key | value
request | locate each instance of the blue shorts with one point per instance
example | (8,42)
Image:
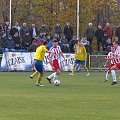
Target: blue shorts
(39,65)
(80,62)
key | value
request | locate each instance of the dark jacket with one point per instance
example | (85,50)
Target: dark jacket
(26,41)
(9,44)
(71,45)
(31,32)
(58,30)
(23,31)
(117,33)
(99,34)
(89,32)
(13,31)
(68,32)
(65,49)
(17,42)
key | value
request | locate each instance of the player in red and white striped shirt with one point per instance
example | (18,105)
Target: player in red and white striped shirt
(116,59)
(112,63)
(54,54)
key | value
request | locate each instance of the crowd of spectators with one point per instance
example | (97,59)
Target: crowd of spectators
(24,38)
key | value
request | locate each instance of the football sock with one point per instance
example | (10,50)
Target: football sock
(113,75)
(73,69)
(55,77)
(86,69)
(39,79)
(107,75)
(34,74)
(52,75)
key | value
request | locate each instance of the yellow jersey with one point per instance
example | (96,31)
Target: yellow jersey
(40,53)
(80,52)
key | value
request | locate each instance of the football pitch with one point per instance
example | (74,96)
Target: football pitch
(77,98)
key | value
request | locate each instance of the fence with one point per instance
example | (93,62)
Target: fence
(23,61)
(96,62)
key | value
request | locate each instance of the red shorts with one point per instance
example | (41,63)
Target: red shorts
(56,64)
(111,65)
(117,65)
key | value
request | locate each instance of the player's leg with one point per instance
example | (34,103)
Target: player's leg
(34,74)
(115,67)
(40,69)
(74,66)
(57,70)
(38,83)
(73,69)
(106,76)
(114,77)
(119,74)
(108,72)
(83,64)
(51,76)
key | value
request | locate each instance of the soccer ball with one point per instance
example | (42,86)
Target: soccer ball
(56,82)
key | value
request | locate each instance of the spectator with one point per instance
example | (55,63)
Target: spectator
(108,33)
(72,44)
(34,45)
(44,30)
(16,39)
(13,31)
(26,41)
(9,44)
(1,43)
(90,33)
(48,38)
(65,48)
(58,30)
(37,42)
(1,30)
(63,39)
(17,26)
(99,34)
(86,44)
(117,33)
(50,43)
(41,37)
(6,29)
(1,37)
(68,32)
(23,30)
(33,31)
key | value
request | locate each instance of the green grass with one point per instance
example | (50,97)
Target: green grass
(77,98)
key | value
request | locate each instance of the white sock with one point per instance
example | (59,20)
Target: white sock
(52,75)
(107,75)
(113,75)
(55,77)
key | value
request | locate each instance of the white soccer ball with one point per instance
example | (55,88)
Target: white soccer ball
(56,82)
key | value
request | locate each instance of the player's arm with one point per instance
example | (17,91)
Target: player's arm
(85,53)
(62,55)
(108,58)
(106,63)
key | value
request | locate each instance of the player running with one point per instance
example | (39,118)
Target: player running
(38,62)
(54,54)
(112,63)
(116,57)
(80,55)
